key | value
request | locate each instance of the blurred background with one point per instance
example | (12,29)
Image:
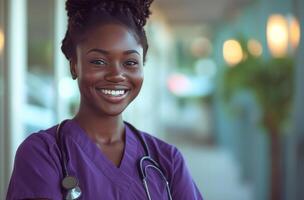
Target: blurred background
(223,82)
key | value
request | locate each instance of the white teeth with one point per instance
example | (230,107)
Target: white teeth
(113,92)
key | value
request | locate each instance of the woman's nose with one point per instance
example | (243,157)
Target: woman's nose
(115,73)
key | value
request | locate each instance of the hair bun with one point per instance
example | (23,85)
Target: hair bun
(139,8)
(82,14)
(74,6)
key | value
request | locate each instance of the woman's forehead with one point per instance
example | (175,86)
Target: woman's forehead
(110,37)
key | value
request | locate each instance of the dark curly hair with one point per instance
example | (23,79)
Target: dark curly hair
(84,14)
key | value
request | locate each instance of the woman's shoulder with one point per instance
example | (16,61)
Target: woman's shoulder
(160,143)
(38,142)
(160,148)
(163,148)
(45,136)
(37,168)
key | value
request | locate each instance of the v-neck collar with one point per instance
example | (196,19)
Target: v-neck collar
(129,160)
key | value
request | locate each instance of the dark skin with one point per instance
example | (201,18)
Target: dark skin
(109,59)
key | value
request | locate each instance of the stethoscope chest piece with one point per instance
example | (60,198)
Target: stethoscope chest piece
(70,183)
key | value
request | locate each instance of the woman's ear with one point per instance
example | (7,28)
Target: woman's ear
(73,69)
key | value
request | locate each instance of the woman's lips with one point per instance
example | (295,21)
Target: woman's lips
(113,95)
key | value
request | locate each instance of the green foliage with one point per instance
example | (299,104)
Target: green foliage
(270,81)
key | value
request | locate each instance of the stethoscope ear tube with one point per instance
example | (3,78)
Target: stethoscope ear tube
(59,141)
(69,183)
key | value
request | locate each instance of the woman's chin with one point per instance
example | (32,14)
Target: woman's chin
(111,111)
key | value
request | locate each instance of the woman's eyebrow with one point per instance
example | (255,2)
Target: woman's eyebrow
(102,51)
(99,51)
(131,51)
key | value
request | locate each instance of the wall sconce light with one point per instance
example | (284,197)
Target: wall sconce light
(283,34)
(277,35)
(1,40)
(232,51)
(294,32)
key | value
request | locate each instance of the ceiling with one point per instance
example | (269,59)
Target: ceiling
(186,12)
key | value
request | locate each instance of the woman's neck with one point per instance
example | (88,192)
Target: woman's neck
(102,129)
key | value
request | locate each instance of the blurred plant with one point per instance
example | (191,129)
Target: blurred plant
(272,84)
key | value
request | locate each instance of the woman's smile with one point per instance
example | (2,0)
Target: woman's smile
(113,95)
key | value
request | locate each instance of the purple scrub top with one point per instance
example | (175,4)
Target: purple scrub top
(37,169)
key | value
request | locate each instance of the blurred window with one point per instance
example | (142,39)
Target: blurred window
(40,93)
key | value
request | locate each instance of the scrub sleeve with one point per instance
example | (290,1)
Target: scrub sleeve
(36,172)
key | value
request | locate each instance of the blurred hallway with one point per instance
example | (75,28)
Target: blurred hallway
(212,73)
(224,173)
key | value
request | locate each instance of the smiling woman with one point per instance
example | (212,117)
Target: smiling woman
(96,155)
(108,69)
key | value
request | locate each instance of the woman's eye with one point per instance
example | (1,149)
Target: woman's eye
(131,63)
(98,62)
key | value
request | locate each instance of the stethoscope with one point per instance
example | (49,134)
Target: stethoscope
(71,184)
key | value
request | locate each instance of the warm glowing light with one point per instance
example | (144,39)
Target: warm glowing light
(255,47)
(277,35)
(232,51)
(1,41)
(294,32)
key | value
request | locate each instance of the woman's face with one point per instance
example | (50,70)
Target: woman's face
(109,69)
